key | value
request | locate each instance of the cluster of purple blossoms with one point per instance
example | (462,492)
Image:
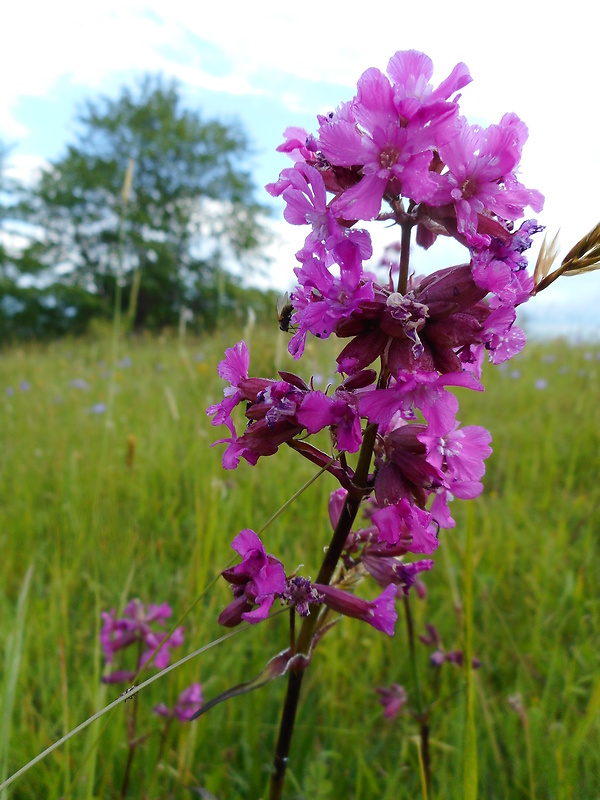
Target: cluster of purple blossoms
(260,578)
(398,152)
(138,627)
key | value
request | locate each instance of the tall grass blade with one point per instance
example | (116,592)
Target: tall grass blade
(470,770)
(14,651)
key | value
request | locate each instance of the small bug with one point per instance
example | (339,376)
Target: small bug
(284,312)
(128,692)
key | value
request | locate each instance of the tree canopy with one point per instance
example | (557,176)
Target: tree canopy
(170,232)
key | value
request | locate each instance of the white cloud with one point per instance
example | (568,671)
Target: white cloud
(25,167)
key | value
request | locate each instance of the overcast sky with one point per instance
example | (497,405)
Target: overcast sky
(271,65)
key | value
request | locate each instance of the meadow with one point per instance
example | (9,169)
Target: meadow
(109,490)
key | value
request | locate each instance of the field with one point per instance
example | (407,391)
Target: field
(110,490)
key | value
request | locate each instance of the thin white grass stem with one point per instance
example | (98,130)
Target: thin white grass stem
(230,562)
(121,699)
(14,651)
(295,496)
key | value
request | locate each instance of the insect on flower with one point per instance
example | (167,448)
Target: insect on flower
(284,312)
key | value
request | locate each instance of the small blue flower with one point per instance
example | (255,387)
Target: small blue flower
(79,383)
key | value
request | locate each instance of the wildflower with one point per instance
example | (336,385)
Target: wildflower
(188,703)
(256,581)
(380,613)
(393,699)
(136,626)
(97,408)
(300,593)
(390,130)
(79,383)
(439,656)
(406,524)
(389,569)
(481,176)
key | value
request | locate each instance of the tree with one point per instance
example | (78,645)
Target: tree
(189,215)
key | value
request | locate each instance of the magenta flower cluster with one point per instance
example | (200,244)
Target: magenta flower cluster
(399,152)
(138,627)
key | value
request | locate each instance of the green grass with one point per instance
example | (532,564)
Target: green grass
(141,508)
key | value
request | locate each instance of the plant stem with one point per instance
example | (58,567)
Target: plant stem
(131,729)
(332,555)
(404,256)
(131,726)
(422,716)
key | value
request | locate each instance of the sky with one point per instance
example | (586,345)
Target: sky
(272,65)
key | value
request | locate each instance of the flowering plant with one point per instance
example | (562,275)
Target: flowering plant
(398,152)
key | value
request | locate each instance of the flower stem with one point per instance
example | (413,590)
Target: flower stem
(406,228)
(422,716)
(332,555)
(131,739)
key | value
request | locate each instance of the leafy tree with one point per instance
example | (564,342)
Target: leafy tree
(8,200)
(187,217)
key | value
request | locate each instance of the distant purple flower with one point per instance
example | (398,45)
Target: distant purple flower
(124,363)
(439,656)
(9,391)
(392,700)
(137,626)
(79,383)
(541,383)
(188,703)
(24,386)
(97,408)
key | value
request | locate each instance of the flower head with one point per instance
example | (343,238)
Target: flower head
(138,626)
(256,581)
(188,703)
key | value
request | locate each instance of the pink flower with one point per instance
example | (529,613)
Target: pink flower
(319,411)
(233,368)
(321,300)
(256,581)
(392,700)
(481,176)
(407,524)
(380,613)
(391,130)
(137,626)
(188,703)
(389,569)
